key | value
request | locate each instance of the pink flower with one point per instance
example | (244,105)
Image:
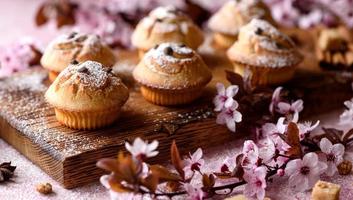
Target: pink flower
(193,192)
(251,154)
(224,98)
(193,163)
(16,56)
(228,164)
(333,154)
(346,118)
(255,182)
(305,128)
(141,149)
(276,98)
(230,116)
(273,131)
(267,150)
(303,174)
(291,109)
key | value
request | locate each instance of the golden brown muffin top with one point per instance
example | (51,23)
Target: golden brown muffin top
(236,13)
(166,24)
(87,87)
(76,46)
(261,44)
(172,66)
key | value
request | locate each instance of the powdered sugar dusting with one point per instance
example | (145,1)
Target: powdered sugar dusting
(267,36)
(76,40)
(164,58)
(89,74)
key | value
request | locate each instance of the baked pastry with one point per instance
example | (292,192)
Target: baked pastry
(335,49)
(227,22)
(87,96)
(263,54)
(166,24)
(172,74)
(325,191)
(75,46)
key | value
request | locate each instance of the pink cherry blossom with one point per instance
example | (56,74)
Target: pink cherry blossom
(267,150)
(193,163)
(346,118)
(142,150)
(228,165)
(276,98)
(255,182)
(194,193)
(304,173)
(333,155)
(273,131)
(230,116)
(16,56)
(224,97)
(250,154)
(305,128)
(291,109)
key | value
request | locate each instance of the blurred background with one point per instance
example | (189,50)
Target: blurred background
(29,24)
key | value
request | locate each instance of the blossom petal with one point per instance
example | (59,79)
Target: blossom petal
(230,124)
(197,155)
(293,166)
(310,159)
(220,89)
(299,182)
(338,149)
(325,145)
(218,102)
(153,145)
(237,116)
(297,106)
(283,107)
(229,102)
(331,169)
(232,91)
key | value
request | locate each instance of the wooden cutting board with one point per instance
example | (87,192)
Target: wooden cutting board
(28,123)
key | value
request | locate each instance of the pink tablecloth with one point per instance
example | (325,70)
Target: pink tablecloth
(16,21)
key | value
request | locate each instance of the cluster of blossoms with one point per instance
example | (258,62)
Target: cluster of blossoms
(225,104)
(308,13)
(284,149)
(18,56)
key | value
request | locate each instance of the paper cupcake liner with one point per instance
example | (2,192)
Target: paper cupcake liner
(261,76)
(169,98)
(223,40)
(86,120)
(52,75)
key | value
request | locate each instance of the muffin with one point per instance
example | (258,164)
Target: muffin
(172,74)
(75,46)
(264,55)
(87,96)
(166,24)
(335,49)
(226,23)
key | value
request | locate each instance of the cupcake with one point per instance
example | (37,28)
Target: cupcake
(227,22)
(166,24)
(172,74)
(263,54)
(87,96)
(75,46)
(335,49)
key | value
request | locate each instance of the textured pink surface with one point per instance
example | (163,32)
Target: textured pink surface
(17,21)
